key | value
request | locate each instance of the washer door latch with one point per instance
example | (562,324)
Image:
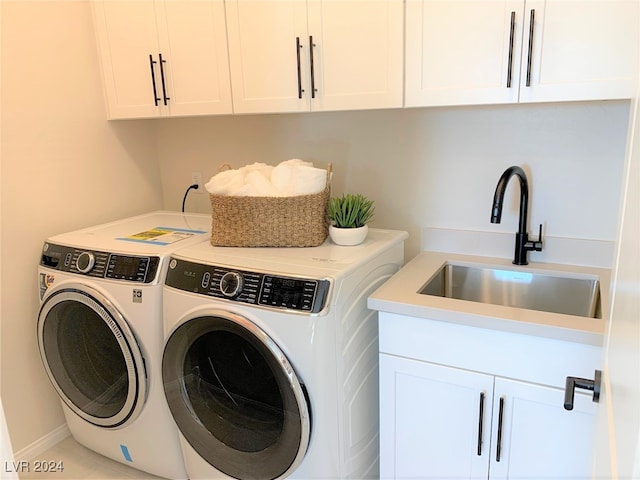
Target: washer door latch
(576,382)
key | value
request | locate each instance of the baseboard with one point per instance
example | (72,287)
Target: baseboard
(32,451)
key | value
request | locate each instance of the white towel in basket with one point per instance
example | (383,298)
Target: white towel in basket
(289,178)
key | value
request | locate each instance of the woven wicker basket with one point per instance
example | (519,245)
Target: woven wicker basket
(300,221)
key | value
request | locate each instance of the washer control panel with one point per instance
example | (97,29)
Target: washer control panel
(255,288)
(92,263)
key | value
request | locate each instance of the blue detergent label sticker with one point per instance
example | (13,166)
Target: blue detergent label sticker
(125,453)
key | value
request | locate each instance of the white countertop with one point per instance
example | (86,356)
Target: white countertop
(400,295)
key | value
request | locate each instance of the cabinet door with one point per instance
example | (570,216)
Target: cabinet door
(579,50)
(193,42)
(126,34)
(463,52)
(268,66)
(430,420)
(357,54)
(539,438)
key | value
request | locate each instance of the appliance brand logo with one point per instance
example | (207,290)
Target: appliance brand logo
(46,280)
(137,296)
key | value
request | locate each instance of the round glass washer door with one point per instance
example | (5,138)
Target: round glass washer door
(91,356)
(235,397)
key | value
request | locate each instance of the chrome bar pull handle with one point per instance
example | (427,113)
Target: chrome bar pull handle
(152,62)
(480,423)
(576,382)
(164,88)
(530,54)
(511,34)
(298,48)
(500,420)
(313,75)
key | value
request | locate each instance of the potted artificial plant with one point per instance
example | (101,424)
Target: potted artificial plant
(349,215)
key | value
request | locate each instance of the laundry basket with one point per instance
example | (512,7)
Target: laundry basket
(298,221)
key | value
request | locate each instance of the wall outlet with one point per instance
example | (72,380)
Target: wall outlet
(196,179)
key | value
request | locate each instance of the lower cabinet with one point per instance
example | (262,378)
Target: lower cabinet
(440,422)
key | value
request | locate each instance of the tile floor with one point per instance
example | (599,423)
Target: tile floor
(83,464)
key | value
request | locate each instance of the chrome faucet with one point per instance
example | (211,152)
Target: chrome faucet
(523,244)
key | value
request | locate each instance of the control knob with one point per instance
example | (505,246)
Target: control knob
(85,262)
(231,284)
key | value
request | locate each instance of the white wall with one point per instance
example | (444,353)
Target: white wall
(63,167)
(433,167)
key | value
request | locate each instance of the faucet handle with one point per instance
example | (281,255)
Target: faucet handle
(537,245)
(531,245)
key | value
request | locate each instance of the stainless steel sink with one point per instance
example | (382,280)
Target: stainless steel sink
(534,290)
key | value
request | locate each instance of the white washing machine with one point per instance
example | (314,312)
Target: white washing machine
(100,334)
(270,366)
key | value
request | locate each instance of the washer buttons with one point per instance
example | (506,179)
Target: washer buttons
(206,278)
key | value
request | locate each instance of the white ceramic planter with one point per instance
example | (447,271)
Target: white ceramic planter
(348,236)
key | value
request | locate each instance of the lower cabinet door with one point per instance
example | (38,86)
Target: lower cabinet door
(538,438)
(435,421)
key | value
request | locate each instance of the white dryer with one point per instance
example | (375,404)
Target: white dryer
(100,334)
(270,366)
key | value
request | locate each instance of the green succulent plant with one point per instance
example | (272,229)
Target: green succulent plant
(350,211)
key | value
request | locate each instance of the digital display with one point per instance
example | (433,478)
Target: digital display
(286,292)
(289,284)
(126,267)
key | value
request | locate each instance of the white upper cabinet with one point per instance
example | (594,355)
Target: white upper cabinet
(127,37)
(467,52)
(268,55)
(163,58)
(206,57)
(462,52)
(293,55)
(584,50)
(357,54)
